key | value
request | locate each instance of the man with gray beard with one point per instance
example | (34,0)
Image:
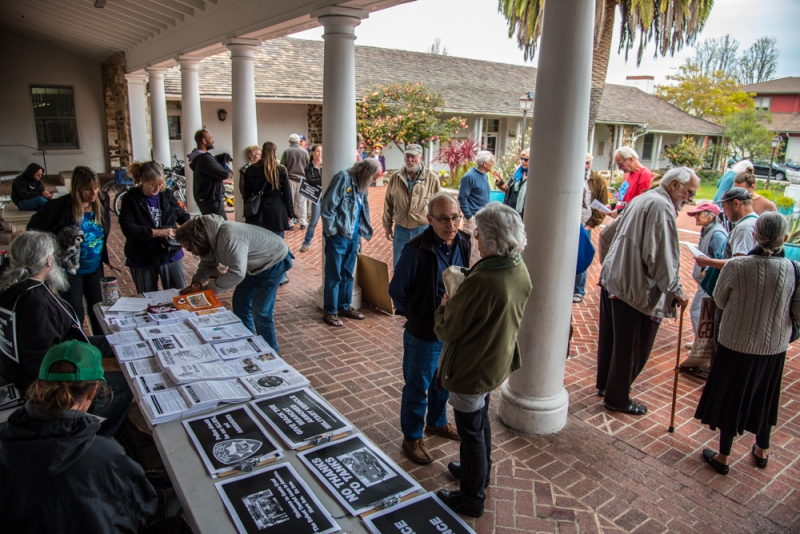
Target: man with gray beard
(34,318)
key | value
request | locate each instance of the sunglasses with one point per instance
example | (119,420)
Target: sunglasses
(523,159)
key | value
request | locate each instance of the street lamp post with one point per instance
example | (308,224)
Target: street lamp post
(525,104)
(776,142)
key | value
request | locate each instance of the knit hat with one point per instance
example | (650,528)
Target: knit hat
(705,206)
(87,358)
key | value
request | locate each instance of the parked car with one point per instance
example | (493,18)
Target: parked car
(791,165)
(761,169)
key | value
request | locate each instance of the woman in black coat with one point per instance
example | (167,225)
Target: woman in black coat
(276,200)
(27,190)
(87,208)
(148,217)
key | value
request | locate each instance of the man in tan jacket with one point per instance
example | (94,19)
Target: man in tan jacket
(405,205)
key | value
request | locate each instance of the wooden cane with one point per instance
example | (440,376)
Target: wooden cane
(677,373)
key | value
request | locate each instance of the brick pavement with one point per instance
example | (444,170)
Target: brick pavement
(605,472)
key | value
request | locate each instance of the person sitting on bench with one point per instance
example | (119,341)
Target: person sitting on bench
(27,189)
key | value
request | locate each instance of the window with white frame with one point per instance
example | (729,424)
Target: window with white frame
(763,102)
(54,115)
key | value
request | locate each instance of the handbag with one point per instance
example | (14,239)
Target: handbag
(795,325)
(169,245)
(252,205)
(585,251)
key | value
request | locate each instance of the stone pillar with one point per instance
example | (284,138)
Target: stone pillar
(314,124)
(339,98)
(534,399)
(191,120)
(158,116)
(138,114)
(243,121)
(115,95)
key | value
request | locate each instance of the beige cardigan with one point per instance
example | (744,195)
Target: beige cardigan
(757,293)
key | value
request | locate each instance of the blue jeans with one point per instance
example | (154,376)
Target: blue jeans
(340,264)
(403,235)
(32,204)
(282,236)
(312,223)
(420,359)
(580,283)
(254,300)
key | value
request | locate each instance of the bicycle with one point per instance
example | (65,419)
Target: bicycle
(116,189)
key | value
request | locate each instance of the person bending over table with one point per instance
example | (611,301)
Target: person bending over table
(147,218)
(30,289)
(257,261)
(86,207)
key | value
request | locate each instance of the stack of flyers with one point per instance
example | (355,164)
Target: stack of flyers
(213,319)
(164,406)
(156,298)
(159,330)
(204,395)
(9,396)
(209,311)
(240,348)
(274,382)
(147,366)
(224,332)
(127,336)
(193,302)
(175,341)
(174,316)
(133,351)
(194,372)
(251,365)
(127,323)
(147,384)
(187,356)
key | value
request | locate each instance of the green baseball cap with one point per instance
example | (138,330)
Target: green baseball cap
(87,358)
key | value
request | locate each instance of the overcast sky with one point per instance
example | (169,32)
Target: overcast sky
(475,29)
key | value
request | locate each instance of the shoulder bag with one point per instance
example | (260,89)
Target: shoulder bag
(252,205)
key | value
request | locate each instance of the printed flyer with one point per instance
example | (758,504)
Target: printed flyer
(425,513)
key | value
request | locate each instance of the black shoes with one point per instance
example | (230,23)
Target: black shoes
(453,500)
(455,470)
(708,456)
(633,408)
(761,463)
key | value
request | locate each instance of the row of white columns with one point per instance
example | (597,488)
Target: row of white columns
(534,399)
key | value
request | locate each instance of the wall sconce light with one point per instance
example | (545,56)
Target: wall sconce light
(222,114)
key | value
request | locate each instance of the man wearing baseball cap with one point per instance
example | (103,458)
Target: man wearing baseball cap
(712,239)
(405,206)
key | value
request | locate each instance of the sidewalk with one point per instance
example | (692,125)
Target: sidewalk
(605,472)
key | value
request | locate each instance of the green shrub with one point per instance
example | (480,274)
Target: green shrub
(766,193)
(709,177)
(784,203)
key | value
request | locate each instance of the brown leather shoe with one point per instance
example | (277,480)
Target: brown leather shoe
(416,451)
(447,431)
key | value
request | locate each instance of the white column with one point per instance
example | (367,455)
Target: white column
(591,141)
(158,116)
(657,142)
(244,124)
(479,131)
(137,109)
(339,99)
(534,399)
(191,120)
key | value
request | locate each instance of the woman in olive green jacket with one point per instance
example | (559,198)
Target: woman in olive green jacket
(479,327)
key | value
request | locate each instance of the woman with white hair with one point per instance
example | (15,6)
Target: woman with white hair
(758,295)
(479,325)
(637,177)
(726,182)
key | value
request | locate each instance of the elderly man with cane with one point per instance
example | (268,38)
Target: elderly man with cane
(639,282)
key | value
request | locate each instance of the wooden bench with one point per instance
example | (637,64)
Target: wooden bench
(18,220)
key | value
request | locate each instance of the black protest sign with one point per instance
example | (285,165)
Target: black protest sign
(300,416)
(358,474)
(425,513)
(311,192)
(275,500)
(231,440)
(8,334)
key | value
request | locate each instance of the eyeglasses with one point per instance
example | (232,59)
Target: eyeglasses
(692,193)
(523,159)
(444,220)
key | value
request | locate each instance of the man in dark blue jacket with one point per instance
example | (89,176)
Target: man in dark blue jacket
(417,290)
(209,175)
(473,194)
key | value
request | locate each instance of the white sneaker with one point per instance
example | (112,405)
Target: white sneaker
(577,298)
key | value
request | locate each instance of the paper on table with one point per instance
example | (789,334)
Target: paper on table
(130,304)
(693,248)
(599,206)
(161,297)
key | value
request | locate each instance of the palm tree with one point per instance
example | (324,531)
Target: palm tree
(671,23)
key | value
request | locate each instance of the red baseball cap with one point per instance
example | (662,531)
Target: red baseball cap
(705,206)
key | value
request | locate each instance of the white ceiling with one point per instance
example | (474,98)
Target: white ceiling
(157,31)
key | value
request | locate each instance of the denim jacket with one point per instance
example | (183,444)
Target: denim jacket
(338,208)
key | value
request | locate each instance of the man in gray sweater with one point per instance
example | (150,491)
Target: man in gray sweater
(295,159)
(257,260)
(640,280)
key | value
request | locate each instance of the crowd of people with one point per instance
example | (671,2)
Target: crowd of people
(458,279)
